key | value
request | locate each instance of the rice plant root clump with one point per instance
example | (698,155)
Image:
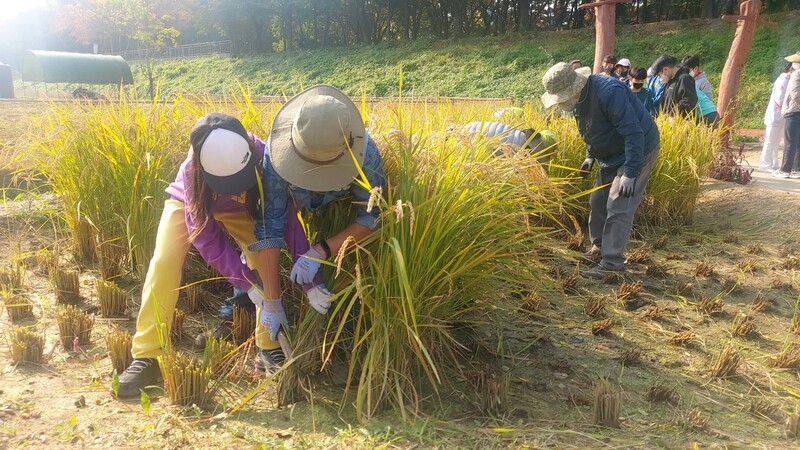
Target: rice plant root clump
(74,326)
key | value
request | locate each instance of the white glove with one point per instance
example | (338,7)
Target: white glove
(306,267)
(320,298)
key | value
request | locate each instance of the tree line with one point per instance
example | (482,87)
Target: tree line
(262,26)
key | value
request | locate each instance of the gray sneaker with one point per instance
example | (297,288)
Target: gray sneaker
(140,374)
(599,272)
(269,361)
(781,174)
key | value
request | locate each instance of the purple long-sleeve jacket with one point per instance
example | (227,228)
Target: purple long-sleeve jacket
(212,241)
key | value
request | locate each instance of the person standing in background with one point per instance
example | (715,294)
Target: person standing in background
(791,123)
(638,77)
(692,64)
(773,119)
(680,94)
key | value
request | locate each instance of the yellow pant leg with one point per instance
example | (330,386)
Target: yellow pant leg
(162,283)
(241,227)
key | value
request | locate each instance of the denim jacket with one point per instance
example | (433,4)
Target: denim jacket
(278,193)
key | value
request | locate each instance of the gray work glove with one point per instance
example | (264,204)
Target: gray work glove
(626,185)
(306,267)
(272,315)
(586,167)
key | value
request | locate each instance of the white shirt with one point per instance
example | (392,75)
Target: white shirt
(773,114)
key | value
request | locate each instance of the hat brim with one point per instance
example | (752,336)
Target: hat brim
(793,58)
(300,172)
(234,184)
(582,74)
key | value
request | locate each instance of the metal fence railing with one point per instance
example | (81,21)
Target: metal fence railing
(187,51)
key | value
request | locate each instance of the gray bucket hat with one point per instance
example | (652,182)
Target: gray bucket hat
(562,83)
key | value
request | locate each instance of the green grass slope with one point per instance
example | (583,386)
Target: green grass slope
(509,66)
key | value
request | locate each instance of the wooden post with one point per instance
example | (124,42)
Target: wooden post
(604,29)
(740,48)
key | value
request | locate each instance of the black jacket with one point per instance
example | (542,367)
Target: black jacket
(680,95)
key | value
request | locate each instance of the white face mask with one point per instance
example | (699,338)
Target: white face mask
(796,66)
(692,73)
(664,78)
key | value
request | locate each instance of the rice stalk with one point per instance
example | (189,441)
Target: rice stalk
(12,277)
(767,410)
(195,298)
(26,346)
(628,290)
(244,324)
(755,248)
(683,338)
(639,256)
(789,357)
(726,363)
(631,356)
(602,327)
(595,306)
(760,303)
(66,285)
(531,303)
(655,313)
(111,256)
(704,269)
(17,306)
(662,393)
(661,243)
(606,405)
(731,237)
(119,344)
(491,387)
(743,326)
(187,381)
(706,306)
(696,420)
(219,356)
(111,298)
(793,425)
(83,239)
(176,330)
(747,266)
(781,285)
(74,326)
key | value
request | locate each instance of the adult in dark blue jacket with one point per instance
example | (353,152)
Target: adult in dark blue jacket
(622,137)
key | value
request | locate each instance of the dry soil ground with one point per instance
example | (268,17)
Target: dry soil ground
(742,244)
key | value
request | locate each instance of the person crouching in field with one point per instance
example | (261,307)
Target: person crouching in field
(622,136)
(533,142)
(317,144)
(214,198)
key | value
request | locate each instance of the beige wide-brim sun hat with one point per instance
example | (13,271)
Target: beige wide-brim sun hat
(312,137)
(561,83)
(793,58)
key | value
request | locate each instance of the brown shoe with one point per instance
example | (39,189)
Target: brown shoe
(223,331)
